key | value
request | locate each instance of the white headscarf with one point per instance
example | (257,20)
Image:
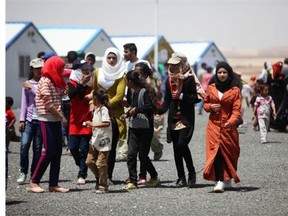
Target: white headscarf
(77,74)
(108,74)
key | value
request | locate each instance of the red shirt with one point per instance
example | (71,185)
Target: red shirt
(9,115)
(79,111)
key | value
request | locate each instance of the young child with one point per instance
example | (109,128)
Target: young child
(262,110)
(101,140)
(10,123)
(140,131)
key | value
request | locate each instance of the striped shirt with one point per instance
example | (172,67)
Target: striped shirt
(46,96)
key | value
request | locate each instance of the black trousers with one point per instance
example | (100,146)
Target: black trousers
(139,141)
(218,166)
(181,139)
(112,153)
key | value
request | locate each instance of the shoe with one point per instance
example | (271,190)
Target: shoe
(97,184)
(128,180)
(141,181)
(181,182)
(101,191)
(35,189)
(219,187)
(58,189)
(21,179)
(153,182)
(158,155)
(227,184)
(121,158)
(191,180)
(81,181)
(130,186)
(263,142)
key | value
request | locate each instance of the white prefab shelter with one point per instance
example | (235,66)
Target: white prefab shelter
(23,43)
(199,52)
(86,39)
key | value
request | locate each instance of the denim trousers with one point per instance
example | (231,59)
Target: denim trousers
(79,146)
(31,133)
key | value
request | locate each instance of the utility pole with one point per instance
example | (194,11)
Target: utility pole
(156,37)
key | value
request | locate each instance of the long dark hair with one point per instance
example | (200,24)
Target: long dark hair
(102,96)
(145,69)
(136,78)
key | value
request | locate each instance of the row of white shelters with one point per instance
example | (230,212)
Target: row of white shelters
(84,39)
(199,52)
(23,42)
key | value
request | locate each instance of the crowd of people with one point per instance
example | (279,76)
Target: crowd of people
(93,111)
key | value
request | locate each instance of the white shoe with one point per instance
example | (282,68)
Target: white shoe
(219,188)
(81,181)
(227,184)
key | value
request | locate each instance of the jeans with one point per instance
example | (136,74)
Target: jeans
(112,154)
(51,155)
(139,140)
(79,146)
(66,113)
(32,132)
(181,139)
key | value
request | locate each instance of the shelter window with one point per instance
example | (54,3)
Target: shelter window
(24,66)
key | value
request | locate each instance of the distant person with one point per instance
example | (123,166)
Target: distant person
(223,102)
(10,124)
(101,142)
(29,125)
(206,77)
(202,71)
(215,65)
(265,74)
(48,104)
(263,106)
(285,68)
(48,55)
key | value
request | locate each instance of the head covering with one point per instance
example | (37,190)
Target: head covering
(37,63)
(277,70)
(77,74)
(81,64)
(53,69)
(231,80)
(49,54)
(108,74)
(90,54)
(176,58)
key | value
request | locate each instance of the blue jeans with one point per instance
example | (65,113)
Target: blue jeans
(32,132)
(79,146)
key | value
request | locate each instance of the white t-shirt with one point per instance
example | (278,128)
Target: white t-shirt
(131,65)
(102,137)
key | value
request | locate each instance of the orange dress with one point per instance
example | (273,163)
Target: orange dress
(227,139)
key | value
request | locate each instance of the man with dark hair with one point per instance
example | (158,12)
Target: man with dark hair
(285,67)
(130,55)
(71,57)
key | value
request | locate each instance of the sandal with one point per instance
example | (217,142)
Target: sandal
(58,189)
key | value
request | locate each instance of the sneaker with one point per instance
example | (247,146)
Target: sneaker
(227,184)
(181,182)
(130,186)
(153,182)
(21,179)
(219,187)
(191,180)
(81,181)
(101,191)
(158,155)
(141,181)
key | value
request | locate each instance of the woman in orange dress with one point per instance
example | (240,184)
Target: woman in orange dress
(223,102)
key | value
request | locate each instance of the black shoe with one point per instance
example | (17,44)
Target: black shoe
(191,180)
(158,155)
(181,182)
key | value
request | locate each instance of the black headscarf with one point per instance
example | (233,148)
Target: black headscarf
(230,82)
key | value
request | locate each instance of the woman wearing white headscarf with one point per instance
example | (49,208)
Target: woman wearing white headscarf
(111,76)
